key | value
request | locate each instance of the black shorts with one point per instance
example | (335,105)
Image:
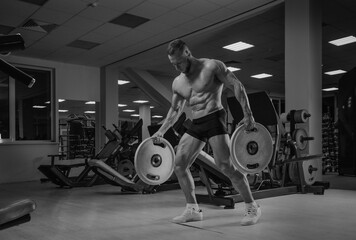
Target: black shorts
(208,126)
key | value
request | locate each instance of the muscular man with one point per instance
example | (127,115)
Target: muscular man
(200,85)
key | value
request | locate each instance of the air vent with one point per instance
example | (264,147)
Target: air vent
(83,44)
(276,58)
(5,29)
(129,20)
(39,26)
(36,2)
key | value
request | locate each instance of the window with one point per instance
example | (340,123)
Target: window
(26,112)
(4,106)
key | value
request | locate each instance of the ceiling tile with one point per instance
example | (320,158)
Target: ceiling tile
(95,37)
(222,2)
(195,24)
(153,27)
(121,5)
(170,4)
(218,15)
(110,29)
(149,10)
(10,14)
(82,44)
(51,16)
(174,18)
(100,13)
(197,8)
(66,52)
(68,6)
(81,24)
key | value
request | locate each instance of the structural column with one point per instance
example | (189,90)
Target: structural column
(145,115)
(303,80)
(107,114)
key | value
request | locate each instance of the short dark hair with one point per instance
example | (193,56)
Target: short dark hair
(175,45)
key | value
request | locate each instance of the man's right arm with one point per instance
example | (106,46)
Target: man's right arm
(176,109)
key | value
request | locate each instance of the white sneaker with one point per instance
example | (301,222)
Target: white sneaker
(189,215)
(252,215)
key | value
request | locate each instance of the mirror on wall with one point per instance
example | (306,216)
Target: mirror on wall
(76,128)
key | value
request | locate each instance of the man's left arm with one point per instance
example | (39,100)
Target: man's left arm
(233,83)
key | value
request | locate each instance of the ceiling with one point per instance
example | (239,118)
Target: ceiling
(86,32)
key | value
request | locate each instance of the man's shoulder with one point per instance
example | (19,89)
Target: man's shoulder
(178,80)
(211,63)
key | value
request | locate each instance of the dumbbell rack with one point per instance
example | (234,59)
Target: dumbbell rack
(330,145)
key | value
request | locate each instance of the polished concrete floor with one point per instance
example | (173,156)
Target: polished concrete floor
(104,212)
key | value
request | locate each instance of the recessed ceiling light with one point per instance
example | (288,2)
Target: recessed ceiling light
(343,41)
(233,69)
(140,101)
(61,100)
(335,72)
(128,110)
(90,102)
(122,82)
(62,110)
(38,106)
(90,112)
(152,107)
(122,105)
(238,46)
(330,89)
(135,115)
(157,116)
(262,75)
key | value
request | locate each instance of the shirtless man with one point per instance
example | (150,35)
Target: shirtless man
(200,85)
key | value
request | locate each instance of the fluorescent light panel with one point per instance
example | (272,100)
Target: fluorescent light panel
(238,46)
(330,89)
(135,115)
(122,105)
(128,110)
(262,75)
(90,102)
(140,101)
(122,82)
(233,69)
(38,106)
(62,110)
(335,72)
(343,41)
(157,116)
(90,112)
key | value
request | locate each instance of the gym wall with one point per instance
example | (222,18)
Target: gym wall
(19,160)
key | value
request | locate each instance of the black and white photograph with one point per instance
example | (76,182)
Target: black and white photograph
(177,119)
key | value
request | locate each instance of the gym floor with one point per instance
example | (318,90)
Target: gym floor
(104,212)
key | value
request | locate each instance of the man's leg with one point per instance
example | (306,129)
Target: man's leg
(187,151)
(221,149)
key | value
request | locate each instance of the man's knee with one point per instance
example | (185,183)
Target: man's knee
(181,165)
(229,170)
